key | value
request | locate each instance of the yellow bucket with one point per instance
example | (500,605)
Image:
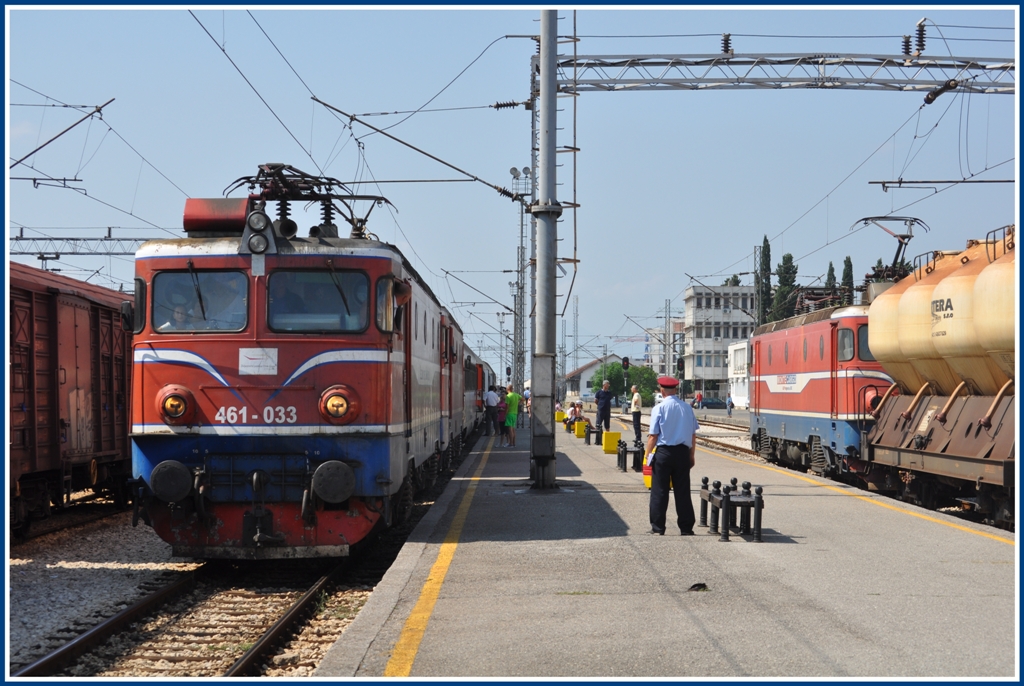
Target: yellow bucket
(610,441)
(559,416)
(580,428)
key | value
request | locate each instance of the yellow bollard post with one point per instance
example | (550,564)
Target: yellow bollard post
(559,416)
(610,441)
(580,428)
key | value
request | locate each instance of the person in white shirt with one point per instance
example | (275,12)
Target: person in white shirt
(491,407)
(634,407)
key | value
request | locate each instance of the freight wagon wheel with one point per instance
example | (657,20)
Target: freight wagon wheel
(402,503)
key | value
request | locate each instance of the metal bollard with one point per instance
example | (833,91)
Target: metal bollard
(713,529)
(758,504)
(726,506)
(745,513)
(586,435)
(621,455)
(638,456)
(598,435)
(703,502)
(733,519)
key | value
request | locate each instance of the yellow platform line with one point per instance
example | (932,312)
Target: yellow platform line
(867,499)
(408,644)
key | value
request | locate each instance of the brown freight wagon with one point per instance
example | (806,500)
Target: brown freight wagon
(69,380)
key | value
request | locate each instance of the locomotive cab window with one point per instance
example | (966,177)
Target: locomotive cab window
(200,301)
(844,348)
(385,305)
(333,300)
(863,350)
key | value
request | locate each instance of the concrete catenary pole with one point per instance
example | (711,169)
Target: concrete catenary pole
(546,210)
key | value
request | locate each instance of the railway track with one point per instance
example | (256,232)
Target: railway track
(267,619)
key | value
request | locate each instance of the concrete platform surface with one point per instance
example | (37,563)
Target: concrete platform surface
(499,580)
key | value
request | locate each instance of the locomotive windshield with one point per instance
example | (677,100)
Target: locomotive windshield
(335,300)
(200,301)
(863,350)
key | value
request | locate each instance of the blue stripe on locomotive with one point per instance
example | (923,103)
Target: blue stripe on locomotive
(833,433)
(230,460)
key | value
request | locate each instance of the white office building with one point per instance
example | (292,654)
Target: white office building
(716,317)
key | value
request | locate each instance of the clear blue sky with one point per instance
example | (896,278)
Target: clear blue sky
(669,183)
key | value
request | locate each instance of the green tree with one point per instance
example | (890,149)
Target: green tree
(848,281)
(644,378)
(733,280)
(830,278)
(763,285)
(784,303)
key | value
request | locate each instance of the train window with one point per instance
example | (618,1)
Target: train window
(845,345)
(433,334)
(325,300)
(416,321)
(200,301)
(424,327)
(863,350)
(385,305)
(785,353)
(769,354)
(805,350)
(821,347)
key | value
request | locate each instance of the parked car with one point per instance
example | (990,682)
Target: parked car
(712,404)
(658,397)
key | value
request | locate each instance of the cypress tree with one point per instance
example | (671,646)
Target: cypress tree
(763,285)
(848,281)
(784,303)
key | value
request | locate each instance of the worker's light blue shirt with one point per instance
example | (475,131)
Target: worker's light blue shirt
(673,422)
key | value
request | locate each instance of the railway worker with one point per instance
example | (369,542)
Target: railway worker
(634,407)
(491,407)
(670,453)
(513,400)
(604,406)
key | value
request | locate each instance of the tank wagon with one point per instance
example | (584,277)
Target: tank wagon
(910,395)
(69,393)
(290,393)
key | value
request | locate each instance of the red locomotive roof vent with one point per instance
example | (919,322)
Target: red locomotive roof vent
(213,217)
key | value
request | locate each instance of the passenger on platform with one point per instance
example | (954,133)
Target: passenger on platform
(502,413)
(729,405)
(604,406)
(634,407)
(671,447)
(513,400)
(491,407)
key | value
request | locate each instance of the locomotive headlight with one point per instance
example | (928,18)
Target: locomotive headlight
(258,221)
(258,243)
(339,404)
(336,405)
(175,406)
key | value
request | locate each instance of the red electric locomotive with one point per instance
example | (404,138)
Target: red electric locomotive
(813,384)
(290,394)
(69,384)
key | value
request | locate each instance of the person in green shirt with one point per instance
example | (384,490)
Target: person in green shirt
(513,400)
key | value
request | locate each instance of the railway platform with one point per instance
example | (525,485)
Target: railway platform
(501,581)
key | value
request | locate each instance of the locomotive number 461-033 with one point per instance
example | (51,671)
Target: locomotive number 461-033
(271,415)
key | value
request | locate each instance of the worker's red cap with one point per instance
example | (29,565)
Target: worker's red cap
(668,381)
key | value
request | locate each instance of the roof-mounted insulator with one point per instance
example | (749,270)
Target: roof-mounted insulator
(726,43)
(920,37)
(906,46)
(506,193)
(505,105)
